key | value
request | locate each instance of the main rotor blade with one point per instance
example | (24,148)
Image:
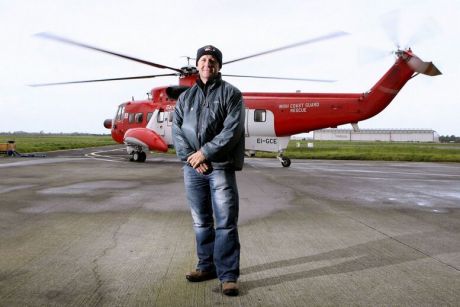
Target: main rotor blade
(75,43)
(101,80)
(280,78)
(309,41)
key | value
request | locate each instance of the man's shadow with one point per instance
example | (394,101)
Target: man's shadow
(374,254)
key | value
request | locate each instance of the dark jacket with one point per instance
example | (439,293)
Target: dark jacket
(211,118)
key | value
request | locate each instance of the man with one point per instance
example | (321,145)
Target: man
(208,132)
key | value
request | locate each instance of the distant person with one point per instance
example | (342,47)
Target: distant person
(208,133)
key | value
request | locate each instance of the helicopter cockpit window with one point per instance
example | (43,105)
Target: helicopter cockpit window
(149,116)
(131,118)
(117,116)
(260,115)
(139,117)
(161,117)
(120,112)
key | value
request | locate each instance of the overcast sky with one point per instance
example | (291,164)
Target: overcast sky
(165,31)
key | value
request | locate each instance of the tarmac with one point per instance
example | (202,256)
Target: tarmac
(89,228)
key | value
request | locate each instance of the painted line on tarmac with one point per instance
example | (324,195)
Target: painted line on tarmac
(330,167)
(96,155)
(38,162)
(344,170)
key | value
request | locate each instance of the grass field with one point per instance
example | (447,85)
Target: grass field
(337,150)
(386,151)
(43,142)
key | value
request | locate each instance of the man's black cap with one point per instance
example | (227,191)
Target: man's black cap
(211,50)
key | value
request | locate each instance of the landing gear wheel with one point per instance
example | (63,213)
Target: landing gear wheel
(138,156)
(142,156)
(285,162)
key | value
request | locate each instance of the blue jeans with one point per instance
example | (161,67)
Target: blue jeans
(217,242)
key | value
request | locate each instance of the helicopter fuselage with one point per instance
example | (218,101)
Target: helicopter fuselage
(271,118)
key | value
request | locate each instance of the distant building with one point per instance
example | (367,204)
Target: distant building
(384,135)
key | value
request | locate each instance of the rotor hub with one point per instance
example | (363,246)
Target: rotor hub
(189,70)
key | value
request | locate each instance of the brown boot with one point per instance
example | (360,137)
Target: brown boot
(230,288)
(198,276)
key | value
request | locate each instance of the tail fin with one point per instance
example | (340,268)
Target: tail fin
(426,68)
(383,92)
(416,64)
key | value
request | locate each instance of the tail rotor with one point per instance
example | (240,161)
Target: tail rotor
(391,24)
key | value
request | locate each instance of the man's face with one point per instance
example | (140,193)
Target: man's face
(208,67)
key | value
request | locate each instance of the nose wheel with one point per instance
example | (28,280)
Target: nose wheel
(138,156)
(285,161)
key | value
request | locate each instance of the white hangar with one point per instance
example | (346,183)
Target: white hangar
(384,135)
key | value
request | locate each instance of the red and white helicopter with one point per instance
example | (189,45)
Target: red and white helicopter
(271,118)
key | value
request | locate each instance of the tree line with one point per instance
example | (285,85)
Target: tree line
(449,139)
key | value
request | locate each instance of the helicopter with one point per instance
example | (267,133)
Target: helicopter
(270,118)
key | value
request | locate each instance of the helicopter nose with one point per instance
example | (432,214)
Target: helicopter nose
(108,123)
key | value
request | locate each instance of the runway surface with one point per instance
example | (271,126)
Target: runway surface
(87,227)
